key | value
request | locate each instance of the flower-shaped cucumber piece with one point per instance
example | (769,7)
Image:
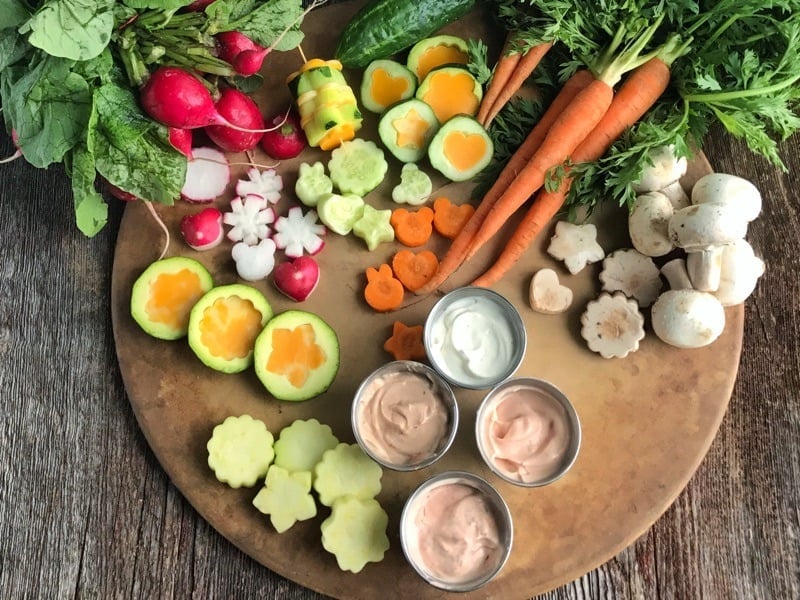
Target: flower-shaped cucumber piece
(312,184)
(415,186)
(297,232)
(357,167)
(267,184)
(346,471)
(374,227)
(300,446)
(355,533)
(286,498)
(339,212)
(240,451)
(254,262)
(249,218)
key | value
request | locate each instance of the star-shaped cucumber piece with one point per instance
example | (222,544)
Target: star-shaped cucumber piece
(240,451)
(374,226)
(346,471)
(355,532)
(286,498)
(301,445)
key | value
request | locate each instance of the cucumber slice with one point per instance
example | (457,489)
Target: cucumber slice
(357,167)
(407,128)
(451,91)
(437,51)
(300,446)
(296,356)
(460,149)
(240,451)
(164,294)
(355,533)
(346,470)
(224,324)
(339,212)
(286,498)
(386,82)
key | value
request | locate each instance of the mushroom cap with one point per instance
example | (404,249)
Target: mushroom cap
(740,270)
(700,226)
(648,224)
(666,168)
(687,318)
(736,193)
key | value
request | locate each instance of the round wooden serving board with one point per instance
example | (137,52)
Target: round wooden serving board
(647,420)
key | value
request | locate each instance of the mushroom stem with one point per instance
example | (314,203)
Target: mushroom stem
(705,268)
(676,274)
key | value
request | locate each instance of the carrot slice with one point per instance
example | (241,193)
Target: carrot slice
(383,291)
(412,228)
(414,270)
(448,218)
(406,342)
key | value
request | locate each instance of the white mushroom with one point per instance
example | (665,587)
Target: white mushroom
(632,273)
(687,318)
(737,194)
(704,225)
(546,293)
(648,224)
(612,325)
(705,268)
(576,245)
(676,274)
(663,169)
(740,271)
(677,195)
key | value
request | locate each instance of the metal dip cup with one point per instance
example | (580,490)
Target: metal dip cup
(404,415)
(552,429)
(456,504)
(475,338)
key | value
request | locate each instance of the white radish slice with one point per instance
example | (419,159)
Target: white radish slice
(296,233)
(207,176)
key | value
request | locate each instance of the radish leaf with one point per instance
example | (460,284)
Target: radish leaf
(74,29)
(91,211)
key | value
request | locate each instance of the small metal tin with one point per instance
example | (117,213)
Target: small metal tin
(498,508)
(563,406)
(444,391)
(448,324)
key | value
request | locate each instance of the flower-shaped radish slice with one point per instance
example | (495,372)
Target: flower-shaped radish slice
(298,232)
(249,218)
(267,184)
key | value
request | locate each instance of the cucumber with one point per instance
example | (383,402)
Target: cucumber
(384,27)
(357,167)
(436,51)
(460,149)
(406,129)
(386,82)
(296,356)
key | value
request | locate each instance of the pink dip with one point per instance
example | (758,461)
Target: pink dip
(403,418)
(456,537)
(525,433)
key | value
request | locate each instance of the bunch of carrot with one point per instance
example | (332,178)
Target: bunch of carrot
(581,123)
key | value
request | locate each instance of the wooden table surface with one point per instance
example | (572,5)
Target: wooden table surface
(87,511)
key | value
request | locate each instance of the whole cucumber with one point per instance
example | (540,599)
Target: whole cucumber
(384,27)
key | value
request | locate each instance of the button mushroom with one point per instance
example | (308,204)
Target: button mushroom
(687,318)
(632,273)
(734,193)
(739,272)
(648,223)
(662,169)
(612,325)
(701,226)
(576,245)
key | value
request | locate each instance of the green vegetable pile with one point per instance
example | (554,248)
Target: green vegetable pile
(70,71)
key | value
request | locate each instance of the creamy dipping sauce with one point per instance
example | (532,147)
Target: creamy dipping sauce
(525,433)
(472,342)
(455,535)
(402,417)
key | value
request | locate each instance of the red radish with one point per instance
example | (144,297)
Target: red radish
(239,109)
(298,278)
(118,192)
(18,153)
(203,230)
(198,5)
(288,140)
(249,62)
(176,98)
(181,140)
(207,176)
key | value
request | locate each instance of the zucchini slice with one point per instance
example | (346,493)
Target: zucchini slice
(296,356)
(407,128)
(451,91)
(386,82)
(437,51)
(460,149)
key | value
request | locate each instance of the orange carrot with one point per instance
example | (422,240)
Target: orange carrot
(448,218)
(452,260)
(636,95)
(412,228)
(505,66)
(406,342)
(383,291)
(524,68)
(570,128)
(414,270)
